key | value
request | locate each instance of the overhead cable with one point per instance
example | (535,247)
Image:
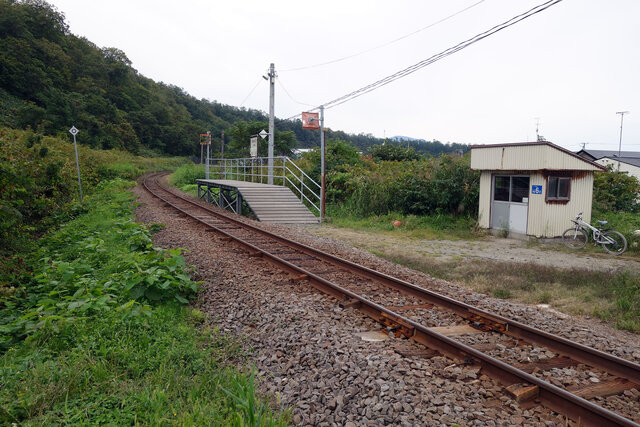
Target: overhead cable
(436,57)
(412,69)
(344,58)
(252,90)
(289,95)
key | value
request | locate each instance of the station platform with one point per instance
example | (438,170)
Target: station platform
(269,203)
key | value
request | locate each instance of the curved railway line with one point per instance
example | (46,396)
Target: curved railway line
(431,319)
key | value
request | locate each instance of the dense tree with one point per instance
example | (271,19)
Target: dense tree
(53,79)
(338,154)
(389,152)
(241,132)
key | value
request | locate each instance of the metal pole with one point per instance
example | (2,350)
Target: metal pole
(201,147)
(622,113)
(322,189)
(75,146)
(222,146)
(272,81)
(207,164)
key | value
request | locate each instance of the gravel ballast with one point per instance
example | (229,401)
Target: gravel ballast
(308,352)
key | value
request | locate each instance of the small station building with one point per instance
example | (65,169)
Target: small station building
(532,188)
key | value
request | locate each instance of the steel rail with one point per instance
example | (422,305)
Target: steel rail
(476,316)
(551,396)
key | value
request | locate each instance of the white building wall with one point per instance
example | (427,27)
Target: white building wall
(624,167)
(551,219)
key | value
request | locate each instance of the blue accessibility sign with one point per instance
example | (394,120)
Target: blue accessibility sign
(536,189)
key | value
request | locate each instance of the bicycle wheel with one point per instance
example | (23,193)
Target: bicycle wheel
(575,238)
(613,242)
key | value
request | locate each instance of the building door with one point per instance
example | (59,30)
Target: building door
(510,203)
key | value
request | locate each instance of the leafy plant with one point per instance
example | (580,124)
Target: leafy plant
(393,153)
(616,192)
(445,185)
(92,265)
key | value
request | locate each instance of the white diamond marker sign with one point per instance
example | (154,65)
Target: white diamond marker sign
(73,131)
(263,134)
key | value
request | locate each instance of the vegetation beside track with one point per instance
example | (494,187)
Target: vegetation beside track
(185,177)
(93,323)
(38,181)
(96,332)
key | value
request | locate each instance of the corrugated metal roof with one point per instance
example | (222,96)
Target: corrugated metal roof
(537,155)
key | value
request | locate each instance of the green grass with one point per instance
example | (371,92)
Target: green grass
(185,177)
(624,222)
(432,227)
(94,332)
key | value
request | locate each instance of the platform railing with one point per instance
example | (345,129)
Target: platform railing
(255,169)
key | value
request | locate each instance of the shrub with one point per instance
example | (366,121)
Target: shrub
(187,175)
(38,181)
(394,153)
(443,185)
(616,191)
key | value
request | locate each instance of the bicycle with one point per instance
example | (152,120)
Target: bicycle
(577,237)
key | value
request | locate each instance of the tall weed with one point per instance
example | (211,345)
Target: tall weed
(96,263)
(444,185)
(187,175)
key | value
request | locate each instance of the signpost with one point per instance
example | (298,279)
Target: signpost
(74,131)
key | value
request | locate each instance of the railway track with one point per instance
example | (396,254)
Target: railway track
(492,342)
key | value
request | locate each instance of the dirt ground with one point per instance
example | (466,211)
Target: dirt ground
(491,248)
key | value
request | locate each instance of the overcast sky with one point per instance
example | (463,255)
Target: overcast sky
(573,66)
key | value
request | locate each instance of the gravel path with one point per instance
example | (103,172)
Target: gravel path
(309,353)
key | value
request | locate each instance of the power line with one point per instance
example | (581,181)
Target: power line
(289,95)
(450,51)
(252,90)
(344,58)
(412,69)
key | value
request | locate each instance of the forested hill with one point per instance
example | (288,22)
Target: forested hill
(51,79)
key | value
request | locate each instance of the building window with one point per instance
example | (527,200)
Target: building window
(558,188)
(513,189)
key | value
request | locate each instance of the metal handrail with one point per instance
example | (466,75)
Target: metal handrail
(286,173)
(305,197)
